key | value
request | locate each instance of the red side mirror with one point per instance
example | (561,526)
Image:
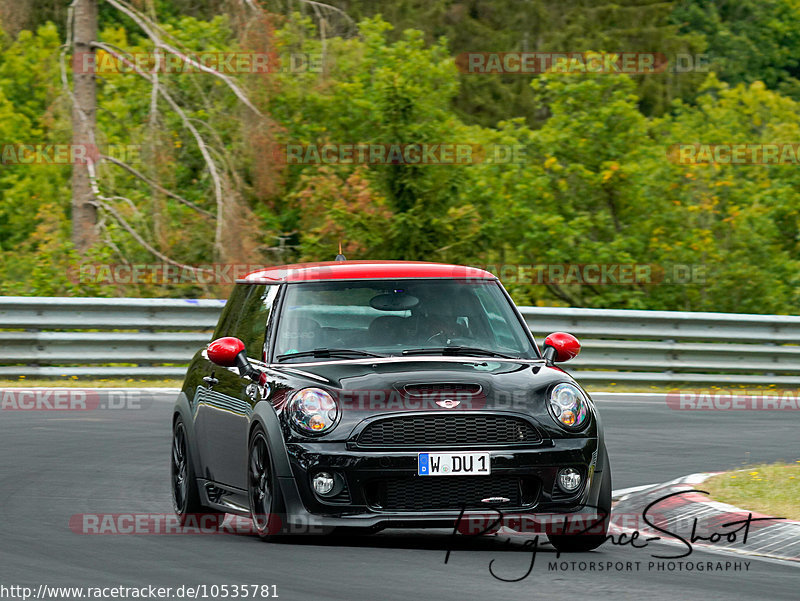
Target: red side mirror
(223,351)
(560,346)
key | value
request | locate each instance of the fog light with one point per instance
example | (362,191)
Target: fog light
(569,479)
(323,483)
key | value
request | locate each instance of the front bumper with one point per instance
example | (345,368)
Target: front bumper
(369,474)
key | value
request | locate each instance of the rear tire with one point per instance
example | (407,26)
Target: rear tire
(266,501)
(581,543)
(185,494)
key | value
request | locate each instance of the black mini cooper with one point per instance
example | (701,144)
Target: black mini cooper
(385,394)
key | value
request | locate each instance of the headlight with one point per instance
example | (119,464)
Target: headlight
(569,407)
(312,411)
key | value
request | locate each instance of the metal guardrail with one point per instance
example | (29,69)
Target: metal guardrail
(132,337)
(142,338)
(662,347)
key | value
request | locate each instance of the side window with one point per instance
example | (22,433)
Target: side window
(231,312)
(251,326)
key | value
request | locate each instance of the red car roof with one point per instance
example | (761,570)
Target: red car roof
(363,270)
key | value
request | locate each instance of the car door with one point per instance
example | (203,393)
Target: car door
(228,403)
(205,376)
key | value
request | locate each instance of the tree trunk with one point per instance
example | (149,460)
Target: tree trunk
(84,214)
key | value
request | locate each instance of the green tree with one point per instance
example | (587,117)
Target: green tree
(748,40)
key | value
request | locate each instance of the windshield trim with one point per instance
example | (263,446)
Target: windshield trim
(281,301)
(406,359)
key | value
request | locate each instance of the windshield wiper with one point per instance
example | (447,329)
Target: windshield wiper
(456,350)
(326,353)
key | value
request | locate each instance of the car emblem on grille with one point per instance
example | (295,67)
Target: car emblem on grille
(495,500)
(448,403)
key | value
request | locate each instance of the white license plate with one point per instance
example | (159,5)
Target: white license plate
(453,464)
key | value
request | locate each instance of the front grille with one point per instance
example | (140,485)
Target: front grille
(432,430)
(450,492)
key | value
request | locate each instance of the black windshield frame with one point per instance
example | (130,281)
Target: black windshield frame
(531,353)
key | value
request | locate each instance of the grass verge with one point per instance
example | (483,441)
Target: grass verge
(81,383)
(723,387)
(771,489)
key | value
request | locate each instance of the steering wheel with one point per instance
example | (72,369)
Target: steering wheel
(435,336)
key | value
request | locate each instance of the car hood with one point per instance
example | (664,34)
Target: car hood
(369,389)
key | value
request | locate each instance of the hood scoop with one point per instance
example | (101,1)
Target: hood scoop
(458,389)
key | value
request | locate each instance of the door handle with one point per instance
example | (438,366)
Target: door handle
(211,381)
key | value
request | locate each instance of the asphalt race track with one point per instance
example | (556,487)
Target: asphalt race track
(57,464)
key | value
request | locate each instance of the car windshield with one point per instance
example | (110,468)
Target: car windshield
(349,319)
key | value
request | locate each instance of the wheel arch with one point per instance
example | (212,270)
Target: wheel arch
(183,410)
(265,416)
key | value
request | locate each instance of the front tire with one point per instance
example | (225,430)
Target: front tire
(581,543)
(266,502)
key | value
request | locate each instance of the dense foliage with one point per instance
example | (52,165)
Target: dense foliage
(593,182)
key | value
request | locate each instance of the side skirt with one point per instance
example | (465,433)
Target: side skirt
(224,498)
